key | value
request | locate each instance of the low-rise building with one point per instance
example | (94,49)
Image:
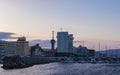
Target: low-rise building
(91,53)
(82,51)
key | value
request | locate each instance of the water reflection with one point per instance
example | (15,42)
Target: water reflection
(66,69)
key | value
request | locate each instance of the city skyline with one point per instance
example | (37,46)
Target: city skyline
(89,20)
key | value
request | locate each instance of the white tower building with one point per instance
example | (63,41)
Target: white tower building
(64,42)
(70,43)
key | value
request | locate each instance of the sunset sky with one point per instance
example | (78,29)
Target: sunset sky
(92,21)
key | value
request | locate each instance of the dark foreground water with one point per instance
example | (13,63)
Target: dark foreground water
(66,69)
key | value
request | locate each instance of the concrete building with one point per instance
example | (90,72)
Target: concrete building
(7,48)
(91,53)
(36,50)
(64,42)
(70,43)
(19,47)
(22,46)
(82,51)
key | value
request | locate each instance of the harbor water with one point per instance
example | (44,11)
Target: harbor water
(66,69)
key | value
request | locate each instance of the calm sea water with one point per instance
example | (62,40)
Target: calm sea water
(66,69)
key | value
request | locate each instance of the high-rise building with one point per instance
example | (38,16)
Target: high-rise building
(64,42)
(19,47)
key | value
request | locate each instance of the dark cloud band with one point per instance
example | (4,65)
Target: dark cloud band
(7,35)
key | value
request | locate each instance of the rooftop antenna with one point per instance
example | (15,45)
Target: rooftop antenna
(93,47)
(52,35)
(83,43)
(99,46)
(106,49)
(99,50)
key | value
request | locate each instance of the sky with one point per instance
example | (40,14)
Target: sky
(91,21)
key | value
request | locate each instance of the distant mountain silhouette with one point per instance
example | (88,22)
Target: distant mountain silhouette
(42,43)
(112,52)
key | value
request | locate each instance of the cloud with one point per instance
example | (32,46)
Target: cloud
(6,35)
